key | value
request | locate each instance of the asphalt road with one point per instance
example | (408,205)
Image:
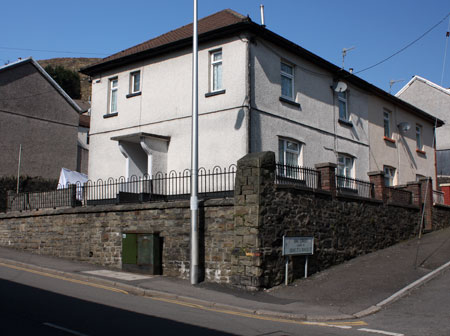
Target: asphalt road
(424,312)
(43,304)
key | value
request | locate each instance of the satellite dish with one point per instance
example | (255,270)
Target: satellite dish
(340,87)
(404,127)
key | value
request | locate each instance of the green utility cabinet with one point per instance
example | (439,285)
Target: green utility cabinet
(141,252)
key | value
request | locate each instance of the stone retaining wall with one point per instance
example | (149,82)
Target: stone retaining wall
(94,234)
(240,238)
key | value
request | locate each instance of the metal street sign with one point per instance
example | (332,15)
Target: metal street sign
(298,245)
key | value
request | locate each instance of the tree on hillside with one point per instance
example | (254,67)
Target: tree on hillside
(69,80)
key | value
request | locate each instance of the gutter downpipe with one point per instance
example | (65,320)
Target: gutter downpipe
(194,262)
(249,98)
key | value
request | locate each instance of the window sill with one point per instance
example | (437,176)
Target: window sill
(110,115)
(289,101)
(131,95)
(389,139)
(345,122)
(419,151)
(214,93)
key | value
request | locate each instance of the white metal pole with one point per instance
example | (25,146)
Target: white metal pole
(18,168)
(286,271)
(306,267)
(194,159)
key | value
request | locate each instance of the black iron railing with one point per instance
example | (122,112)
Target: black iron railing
(295,175)
(351,186)
(212,183)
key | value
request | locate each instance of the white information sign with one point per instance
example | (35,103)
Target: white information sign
(298,245)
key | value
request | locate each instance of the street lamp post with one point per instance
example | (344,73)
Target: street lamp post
(194,160)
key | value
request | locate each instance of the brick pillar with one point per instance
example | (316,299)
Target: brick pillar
(255,177)
(327,179)
(379,187)
(427,199)
(415,189)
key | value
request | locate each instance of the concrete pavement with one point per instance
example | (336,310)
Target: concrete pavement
(354,289)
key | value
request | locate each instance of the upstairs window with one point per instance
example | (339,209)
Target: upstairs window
(135,82)
(342,100)
(287,81)
(389,175)
(387,124)
(113,87)
(419,137)
(216,71)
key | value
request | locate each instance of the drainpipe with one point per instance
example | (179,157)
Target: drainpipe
(249,98)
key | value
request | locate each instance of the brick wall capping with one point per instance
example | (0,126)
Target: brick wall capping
(443,206)
(413,183)
(258,160)
(376,172)
(301,189)
(325,165)
(406,206)
(352,198)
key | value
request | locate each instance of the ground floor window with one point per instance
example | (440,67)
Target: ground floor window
(289,152)
(389,175)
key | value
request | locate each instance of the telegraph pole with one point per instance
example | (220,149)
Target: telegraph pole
(194,151)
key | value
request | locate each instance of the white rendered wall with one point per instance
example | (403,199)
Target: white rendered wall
(315,122)
(165,107)
(402,154)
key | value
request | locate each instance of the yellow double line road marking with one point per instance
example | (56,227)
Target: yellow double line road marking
(64,278)
(260,317)
(193,305)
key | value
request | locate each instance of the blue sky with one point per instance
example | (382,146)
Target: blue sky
(377,29)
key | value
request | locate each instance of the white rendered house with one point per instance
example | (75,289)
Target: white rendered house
(257,92)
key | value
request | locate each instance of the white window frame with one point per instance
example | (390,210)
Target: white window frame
(343,98)
(113,94)
(290,77)
(345,166)
(283,150)
(133,76)
(419,142)
(387,123)
(213,65)
(389,176)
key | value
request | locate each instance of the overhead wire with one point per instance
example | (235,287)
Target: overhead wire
(405,47)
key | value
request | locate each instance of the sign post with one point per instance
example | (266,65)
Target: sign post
(297,246)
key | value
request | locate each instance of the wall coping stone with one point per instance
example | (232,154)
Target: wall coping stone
(257,160)
(345,197)
(442,206)
(376,172)
(325,164)
(407,206)
(302,189)
(114,208)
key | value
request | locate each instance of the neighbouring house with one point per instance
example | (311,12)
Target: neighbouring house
(434,99)
(36,114)
(257,92)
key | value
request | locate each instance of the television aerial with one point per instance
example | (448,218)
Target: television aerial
(344,53)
